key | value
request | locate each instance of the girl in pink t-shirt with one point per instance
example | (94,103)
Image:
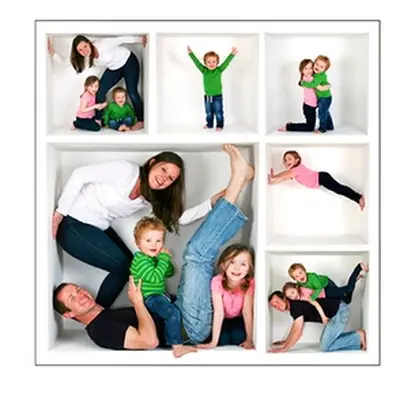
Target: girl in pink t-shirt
(312,179)
(310,100)
(232,296)
(85,115)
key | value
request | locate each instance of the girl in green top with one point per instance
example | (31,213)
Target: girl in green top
(212,73)
(317,283)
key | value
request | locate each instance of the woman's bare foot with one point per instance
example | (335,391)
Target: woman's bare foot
(363,338)
(364,267)
(137,126)
(218,129)
(180,350)
(361,203)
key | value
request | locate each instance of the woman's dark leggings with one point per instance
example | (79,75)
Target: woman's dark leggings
(327,181)
(310,113)
(130,72)
(101,249)
(344,293)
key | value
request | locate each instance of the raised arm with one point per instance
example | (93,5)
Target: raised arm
(218,318)
(145,336)
(295,333)
(248,317)
(196,61)
(280,177)
(228,59)
(56,57)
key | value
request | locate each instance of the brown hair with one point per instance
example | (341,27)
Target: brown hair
(228,254)
(167,203)
(276,293)
(290,285)
(325,59)
(89,81)
(148,224)
(118,89)
(302,65)
(78,61)
(211,54)
(293,153)
(293,268)
(57,304)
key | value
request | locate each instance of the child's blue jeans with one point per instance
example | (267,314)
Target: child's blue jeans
(325,119)
(115,124)
(214,106)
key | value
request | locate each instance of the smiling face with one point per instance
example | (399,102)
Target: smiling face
(151,242)
(93,88)
(308,69)
(84,49)
(163,175)
(292,294)
(237,268)
(299,275)
(211,62)
(120,98)
(278,303)
(320,66)
(78,300)
(290,161)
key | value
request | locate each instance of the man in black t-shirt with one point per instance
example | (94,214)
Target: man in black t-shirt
(124,328)
(332,338)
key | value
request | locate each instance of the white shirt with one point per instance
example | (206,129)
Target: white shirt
(97,194)
(111,54)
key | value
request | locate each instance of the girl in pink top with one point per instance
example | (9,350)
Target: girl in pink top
(232,296)
(312,179)
(85,115)
(310,100)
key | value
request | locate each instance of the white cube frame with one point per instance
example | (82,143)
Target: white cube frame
(253,128)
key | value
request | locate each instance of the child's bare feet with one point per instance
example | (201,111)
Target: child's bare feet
(363,338)
(206,127)
(364,267)
(317,132)
(122,128)
(218,129)
(239,166)
(180,350)
(361,203)
(73,128)
(282,128)
(360,276)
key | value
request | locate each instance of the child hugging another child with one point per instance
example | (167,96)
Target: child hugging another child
(232,297)
(152,265)
(312,179)
(119,115)
(310,100)
(212,73)
(311,286)
(85,118)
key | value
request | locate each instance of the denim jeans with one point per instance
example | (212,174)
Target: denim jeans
(333,338)
(115,124)
(194,290)
(162,306)
(214,106)
(310,114)
(130,72)
(233,331)
(325,119)
(101,249)
(87,124)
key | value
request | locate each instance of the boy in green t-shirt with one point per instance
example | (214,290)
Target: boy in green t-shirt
(212,73)
(119,115)
(321,65)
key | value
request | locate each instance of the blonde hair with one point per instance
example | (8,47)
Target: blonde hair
(295,266)
(148,224)
(211,54)
(118,89)
(325,59)
(228,254)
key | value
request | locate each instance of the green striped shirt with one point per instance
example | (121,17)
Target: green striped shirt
(153,271)
(318,79)
(315,282)
(212,77)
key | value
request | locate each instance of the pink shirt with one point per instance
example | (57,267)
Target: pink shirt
(232,300)
(306,176)
(310,97)
(90,101)
(305,293)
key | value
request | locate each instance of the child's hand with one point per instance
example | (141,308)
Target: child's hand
(325,320)
(272,173)
(189,49)
(269,179)
(247,344)
(164,250)
(143,40)
(50,48)
(98,106)
(104,105)
(234,50)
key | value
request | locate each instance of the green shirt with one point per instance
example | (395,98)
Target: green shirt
(152,271)
(115,112)
(315,282)
(212,77)
(318,79)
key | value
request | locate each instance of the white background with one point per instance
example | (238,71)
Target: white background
(21,377)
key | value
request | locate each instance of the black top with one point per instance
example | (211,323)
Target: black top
(109,327)
(303,308)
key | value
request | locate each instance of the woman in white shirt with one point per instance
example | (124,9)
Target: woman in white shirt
(97,194)
(118,60)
